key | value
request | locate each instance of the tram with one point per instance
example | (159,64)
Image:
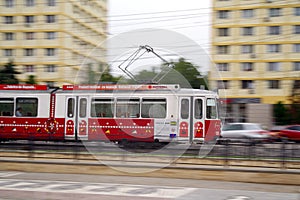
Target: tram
(108,112)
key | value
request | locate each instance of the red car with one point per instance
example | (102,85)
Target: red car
(291,133)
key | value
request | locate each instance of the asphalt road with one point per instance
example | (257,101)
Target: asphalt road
(49,186)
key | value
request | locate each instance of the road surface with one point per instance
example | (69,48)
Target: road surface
(49,186)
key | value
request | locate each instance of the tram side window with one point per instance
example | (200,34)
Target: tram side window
(211,109)
(28,107)
(71,106)
(154,108)
(82,109)
(198,113)
(128,107)
(102,107)
(6,106)
(185,109)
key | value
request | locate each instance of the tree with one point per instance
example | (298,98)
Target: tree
(188,71)
(281,114)
(31,79)
(295,103)
(107,77)
(7,75)
(146,76)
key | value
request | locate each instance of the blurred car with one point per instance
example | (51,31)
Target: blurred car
(291,132)
(245,132)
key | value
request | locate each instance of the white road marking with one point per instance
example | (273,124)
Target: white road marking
(94,188)
(8,174)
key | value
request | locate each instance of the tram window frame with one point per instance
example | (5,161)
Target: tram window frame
(146,111)
(127,107)
(7,106)
(211,108)
(198,111)
(82,107)
(71,108)
(29,106)
(185,108)
(106,108)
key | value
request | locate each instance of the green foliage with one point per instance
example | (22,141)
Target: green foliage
(295,102)
(183,73)
(7,74)
(146,76)
(31,80)
(281,114)
(107,77)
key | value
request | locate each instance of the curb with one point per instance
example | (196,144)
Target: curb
(234,174)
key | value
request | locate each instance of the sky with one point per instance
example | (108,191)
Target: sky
(190,18)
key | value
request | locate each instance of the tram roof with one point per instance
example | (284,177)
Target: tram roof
(24,88)
(141,89)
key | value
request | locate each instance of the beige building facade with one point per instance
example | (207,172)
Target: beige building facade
(256,52)
(59,42)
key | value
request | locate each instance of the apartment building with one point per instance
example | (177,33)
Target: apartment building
(255,50)
(59,42)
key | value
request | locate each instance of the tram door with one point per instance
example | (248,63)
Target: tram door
(191,120)
(76,118)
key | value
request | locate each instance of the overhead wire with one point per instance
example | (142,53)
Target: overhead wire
(170,11)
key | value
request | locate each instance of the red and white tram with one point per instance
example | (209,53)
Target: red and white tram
(108,112)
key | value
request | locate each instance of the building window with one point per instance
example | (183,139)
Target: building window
(297,11)
(28,68)
(273,84)
(297,29)
(296,48)
(29,35)
(9,36)
(8,52)
(29,19)
(223,31)
(51,2)
(247,66)
(247,13)
(50,35)
(223,14)
(247,31)
(274,12)
(247,49)
(297,84)
(247,84)
(50,52)
(273,48)
(223,84)
(8,19)
(223,49)
(296,66)
(274,66)
(9,3)
(223,66)
(28,52)
(50,68)
(274,30)
(29,3)
(50,18)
